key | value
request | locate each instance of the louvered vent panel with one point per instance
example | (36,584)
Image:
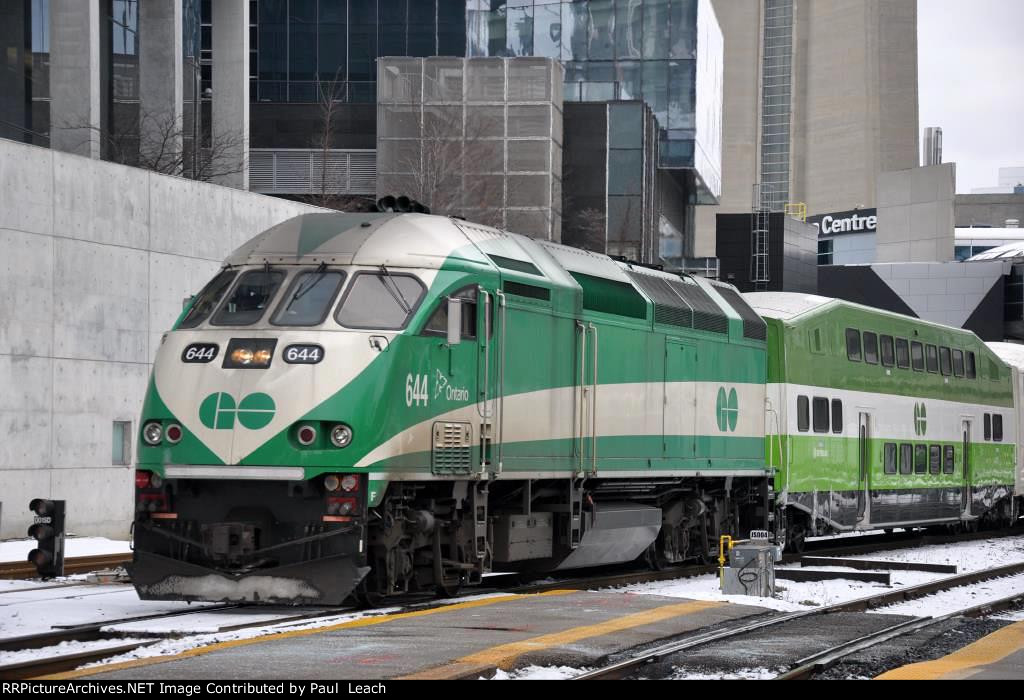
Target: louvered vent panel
(451,452)
(299,171)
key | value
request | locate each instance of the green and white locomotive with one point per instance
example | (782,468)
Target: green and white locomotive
(374,404)
(878,421)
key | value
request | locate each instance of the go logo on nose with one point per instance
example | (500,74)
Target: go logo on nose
(219,411)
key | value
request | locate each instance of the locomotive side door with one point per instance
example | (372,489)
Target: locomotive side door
(680,416)
(451,383)
(863,462)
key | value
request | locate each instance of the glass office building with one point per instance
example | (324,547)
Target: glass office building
(669,53)
(297,44)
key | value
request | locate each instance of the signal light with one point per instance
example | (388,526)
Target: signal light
(48,530)
(173,433)
(306,435)
(142,479)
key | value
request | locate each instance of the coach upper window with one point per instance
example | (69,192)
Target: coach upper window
(958,363)
(945,362)
(853,344)
(933,359)
(972,371)
(871,348)
(917,356)
(888,351)
(380,301)
(902,353)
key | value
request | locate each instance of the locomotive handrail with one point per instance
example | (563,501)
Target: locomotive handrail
(593,409)
(501,376)
(582,394)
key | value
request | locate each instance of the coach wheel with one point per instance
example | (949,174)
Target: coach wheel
(796,537)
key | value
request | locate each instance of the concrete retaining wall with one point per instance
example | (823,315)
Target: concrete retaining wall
(95,260)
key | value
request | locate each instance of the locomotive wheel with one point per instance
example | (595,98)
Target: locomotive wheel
(796,538)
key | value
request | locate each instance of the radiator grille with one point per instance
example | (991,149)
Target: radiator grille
(452,452)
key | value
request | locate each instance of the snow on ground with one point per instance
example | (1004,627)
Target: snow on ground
(537,673)
(797,595)
(945,602)
(37,611)
(739,674)
(17,550)
(62,649)
(1011,616)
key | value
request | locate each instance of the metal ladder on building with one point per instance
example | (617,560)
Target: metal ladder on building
(759,237)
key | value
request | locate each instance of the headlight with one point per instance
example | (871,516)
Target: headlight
(341,435)
(350,482)
(152,433)
(242,356)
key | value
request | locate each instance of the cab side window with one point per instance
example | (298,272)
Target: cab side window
(437,325)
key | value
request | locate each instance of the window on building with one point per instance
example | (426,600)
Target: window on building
(871,348)
(906,458)
(902,353)
(935,459)
(820,415)
(888,351)
(948,459)
(997,427)
(853,345)
(803,414)
(826,249)
(890,458)
(837,416)
(958,363)
(917,356)
(920,459)
(945,362)
(972,371)
(121,443)
(933,359)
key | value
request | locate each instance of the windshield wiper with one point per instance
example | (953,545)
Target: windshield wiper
(321,273)
(399,297)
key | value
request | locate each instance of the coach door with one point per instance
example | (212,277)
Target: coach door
(863,462)
(965,491)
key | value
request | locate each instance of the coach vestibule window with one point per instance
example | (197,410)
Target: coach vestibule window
(988,426)
(997,427)
(820,415)
(837,416)
(803,414)
(853,345)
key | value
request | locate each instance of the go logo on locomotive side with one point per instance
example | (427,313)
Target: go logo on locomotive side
(218,411)
(728,407)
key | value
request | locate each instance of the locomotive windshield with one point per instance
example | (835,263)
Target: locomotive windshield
(249,299)
(208,299)
(380,301)
(309,299)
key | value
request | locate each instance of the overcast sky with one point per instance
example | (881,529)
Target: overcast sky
(971,57)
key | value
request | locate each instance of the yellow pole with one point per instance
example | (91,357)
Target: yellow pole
(721,557)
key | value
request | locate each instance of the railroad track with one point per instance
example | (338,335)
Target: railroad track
(510,583)
(831,656)
(72,565)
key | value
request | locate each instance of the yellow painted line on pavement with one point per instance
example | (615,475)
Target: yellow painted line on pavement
(504,656)
(362,622)
(959,664)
